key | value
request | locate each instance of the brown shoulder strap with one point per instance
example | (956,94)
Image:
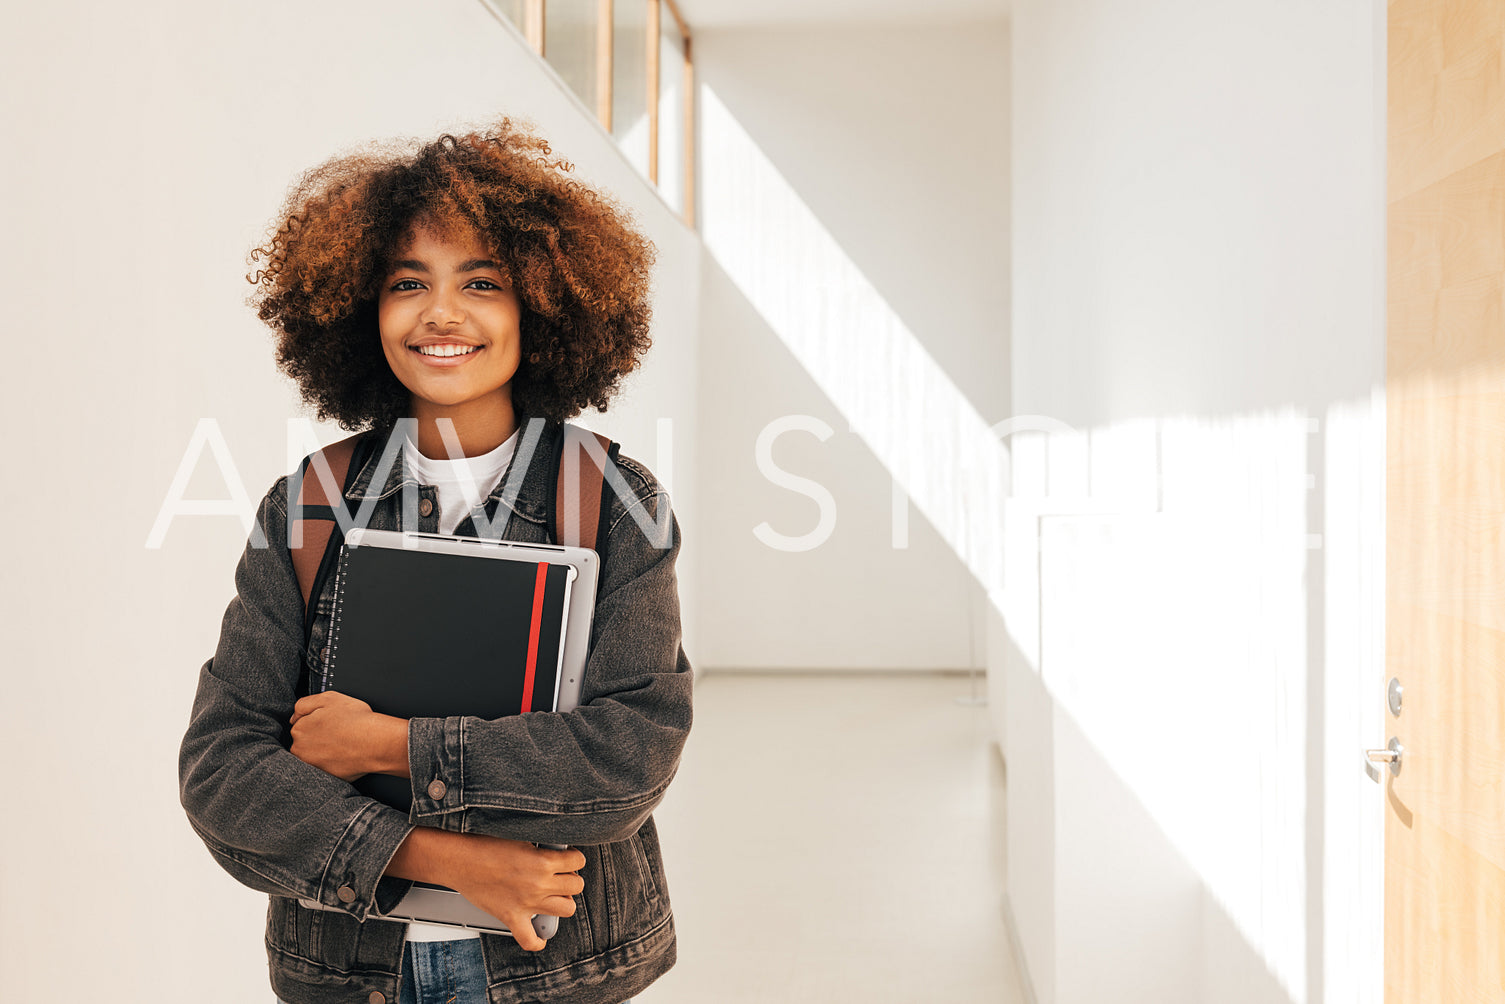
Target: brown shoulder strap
(582,509)
(317,511)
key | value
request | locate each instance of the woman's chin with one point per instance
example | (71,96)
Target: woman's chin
(427,397)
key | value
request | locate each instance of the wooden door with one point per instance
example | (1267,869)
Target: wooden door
(1445,589)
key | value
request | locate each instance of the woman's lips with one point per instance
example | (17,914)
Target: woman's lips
(448,362)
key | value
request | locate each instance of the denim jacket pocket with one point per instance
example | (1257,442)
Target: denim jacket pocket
(333,942)
(653,857)
(296,933)
(633,900)
(282,926)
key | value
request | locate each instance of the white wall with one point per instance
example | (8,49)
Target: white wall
(1191,637)
(149,145)
(893,141)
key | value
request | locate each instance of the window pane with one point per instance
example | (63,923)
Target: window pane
(671,113)
(569,44)
(629,88)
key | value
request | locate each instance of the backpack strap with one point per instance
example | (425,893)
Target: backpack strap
(589,505)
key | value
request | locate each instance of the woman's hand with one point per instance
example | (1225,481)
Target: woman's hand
(510,879)
(341,735)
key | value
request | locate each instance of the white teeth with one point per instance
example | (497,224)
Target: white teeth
(447,350)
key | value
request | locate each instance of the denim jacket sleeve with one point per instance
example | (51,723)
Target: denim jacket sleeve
(272,821)
(594,774)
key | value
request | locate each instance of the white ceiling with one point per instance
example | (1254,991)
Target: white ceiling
(728,13)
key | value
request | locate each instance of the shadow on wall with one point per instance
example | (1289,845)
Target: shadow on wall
(846,520)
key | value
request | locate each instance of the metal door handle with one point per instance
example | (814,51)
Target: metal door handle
(1390,754)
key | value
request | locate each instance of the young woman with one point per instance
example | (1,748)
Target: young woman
(470,290)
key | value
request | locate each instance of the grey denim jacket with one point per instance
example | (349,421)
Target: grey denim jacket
(589,778)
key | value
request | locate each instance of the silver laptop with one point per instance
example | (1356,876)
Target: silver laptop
(432,904)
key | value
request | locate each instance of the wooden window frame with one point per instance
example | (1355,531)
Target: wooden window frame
(606,33)
(533,14)
(655,27)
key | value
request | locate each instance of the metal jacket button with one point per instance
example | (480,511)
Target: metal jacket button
(425,506)
(437,788)
(376,997)
(346,894)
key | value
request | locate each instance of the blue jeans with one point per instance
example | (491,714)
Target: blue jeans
(443,972)
(435,972)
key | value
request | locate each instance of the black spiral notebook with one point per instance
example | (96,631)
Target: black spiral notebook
(420,634)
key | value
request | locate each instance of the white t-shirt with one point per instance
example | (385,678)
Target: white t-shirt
(462,485)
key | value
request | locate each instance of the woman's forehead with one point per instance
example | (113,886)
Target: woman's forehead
(455,238)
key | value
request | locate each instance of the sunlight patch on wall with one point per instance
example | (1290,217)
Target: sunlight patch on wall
(1176,638)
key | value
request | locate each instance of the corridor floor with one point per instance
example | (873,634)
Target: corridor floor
(835,838)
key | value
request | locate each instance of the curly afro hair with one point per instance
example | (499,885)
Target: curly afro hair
(580,270)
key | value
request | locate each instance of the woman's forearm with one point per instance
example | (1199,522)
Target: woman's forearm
(427,855)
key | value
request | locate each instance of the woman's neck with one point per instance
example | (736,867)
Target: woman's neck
(481,427)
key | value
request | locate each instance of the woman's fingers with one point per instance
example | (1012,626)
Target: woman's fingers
(568,860)
(324,699)
(521,926)
(558,906)
(306,706)
(513,880)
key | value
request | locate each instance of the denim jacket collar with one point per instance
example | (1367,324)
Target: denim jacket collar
(531,483)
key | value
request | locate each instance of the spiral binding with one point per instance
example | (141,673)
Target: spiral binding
(334,626)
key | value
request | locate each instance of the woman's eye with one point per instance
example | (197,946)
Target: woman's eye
(404,285)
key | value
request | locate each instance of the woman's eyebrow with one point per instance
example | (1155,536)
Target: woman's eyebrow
(474,265)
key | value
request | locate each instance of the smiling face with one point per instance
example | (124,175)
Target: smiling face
(449,324)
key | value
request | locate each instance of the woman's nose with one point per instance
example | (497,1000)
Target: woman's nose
(443,308)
